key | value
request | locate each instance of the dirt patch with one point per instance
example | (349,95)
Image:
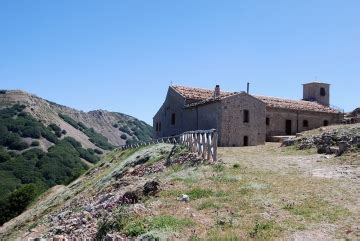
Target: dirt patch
(347,171)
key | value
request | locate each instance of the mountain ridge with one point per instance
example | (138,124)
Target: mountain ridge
(102,121)
(43,144)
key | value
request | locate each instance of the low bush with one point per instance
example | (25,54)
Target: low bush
(54,127)
(48,135)
(16,203)
(32,132)
(198,193)
(98,151)
(69,120)
(35,143)
(123,136)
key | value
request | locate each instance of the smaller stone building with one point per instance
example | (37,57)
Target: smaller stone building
(242,119)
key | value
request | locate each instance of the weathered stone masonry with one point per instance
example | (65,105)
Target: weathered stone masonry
(242,119)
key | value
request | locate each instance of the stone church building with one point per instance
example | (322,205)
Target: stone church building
(243,119)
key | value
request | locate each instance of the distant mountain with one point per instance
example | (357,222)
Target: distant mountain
(43,144)
(116,127)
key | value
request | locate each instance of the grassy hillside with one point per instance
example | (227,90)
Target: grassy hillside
(24,165)
(43,144)
(263,192)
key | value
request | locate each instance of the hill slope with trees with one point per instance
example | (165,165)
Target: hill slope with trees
(43,144)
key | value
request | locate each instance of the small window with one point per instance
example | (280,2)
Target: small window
(305,123)
(267,121)
(322,92)
(173,119)
(246,116)
(326,122)
(157,126)
(246,140)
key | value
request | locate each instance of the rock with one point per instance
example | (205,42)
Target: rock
(323,149)
(334,150)
(343,147)
(184,198)
(130,198)
(59,238)
(151,188)
(288,142)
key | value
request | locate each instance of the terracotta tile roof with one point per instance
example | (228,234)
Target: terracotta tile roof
(275,102)
(199,96)
(198,93)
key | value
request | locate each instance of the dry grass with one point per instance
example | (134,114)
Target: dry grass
(257,193)
(261,192)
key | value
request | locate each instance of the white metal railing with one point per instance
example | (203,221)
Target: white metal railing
(201,142)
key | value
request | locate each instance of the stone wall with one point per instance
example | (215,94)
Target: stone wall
(173,104)
(277,120)
(233,129)
(311,92)
(202,117)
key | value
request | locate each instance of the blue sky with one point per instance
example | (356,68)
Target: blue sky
(122,55)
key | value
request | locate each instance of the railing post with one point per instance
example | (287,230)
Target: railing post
(214,143)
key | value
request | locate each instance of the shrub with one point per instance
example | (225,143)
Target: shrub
(123,136)
(35,143)
(88,156)
(4,156)
(125,130)
(17,202)
(18,107)
(236,166)
(48,135)
(2,92)
(54,127)
(82,125)
(14,142)
(32,132)
(115,125)
(69,120)
(198,193)
(135,228)
(73,142)
(63,132)
(34,153)
(98,151)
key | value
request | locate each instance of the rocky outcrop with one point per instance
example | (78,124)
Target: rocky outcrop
(336,141)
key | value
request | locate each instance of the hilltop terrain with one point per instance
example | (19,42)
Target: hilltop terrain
(43,144)
(162,191)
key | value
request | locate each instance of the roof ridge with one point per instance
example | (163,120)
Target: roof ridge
(199,88)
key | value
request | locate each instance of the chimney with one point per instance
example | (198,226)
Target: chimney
(248,88)
(217,91)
